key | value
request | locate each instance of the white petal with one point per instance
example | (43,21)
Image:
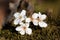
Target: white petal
(28,20)
(29,31)
(16,21)
(35,22)
(23,13)
(21,23)
(42,24)
(22,32)
(43,17)
(39,13)
(16,15)
(35,15)
(27,25)
(18,28)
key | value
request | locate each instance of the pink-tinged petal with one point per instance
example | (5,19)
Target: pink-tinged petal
(35,22)
(29,31)
(22,32)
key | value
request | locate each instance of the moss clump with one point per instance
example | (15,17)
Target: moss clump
(49,33)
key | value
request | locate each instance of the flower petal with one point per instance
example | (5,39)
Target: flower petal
(16,21)
(16,15)
(35,15)
(23,13)
(43,17)
(29,31)
(28,20)
(42,24)
(22,32)
(22,19)
(39,13)
(35,22)
(27,25)
(19,28)
(21,23)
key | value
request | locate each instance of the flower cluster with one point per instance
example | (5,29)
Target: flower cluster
(24,21)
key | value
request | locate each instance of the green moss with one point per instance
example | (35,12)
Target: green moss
(49,33)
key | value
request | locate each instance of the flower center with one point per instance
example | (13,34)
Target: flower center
(20,17)
(39,19)
(31,18)
(36,19)
(24,28)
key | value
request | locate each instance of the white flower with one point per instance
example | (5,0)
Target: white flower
(38,19)
(24,28)
(19,17)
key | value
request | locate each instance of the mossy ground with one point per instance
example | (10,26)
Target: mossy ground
(52,32)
